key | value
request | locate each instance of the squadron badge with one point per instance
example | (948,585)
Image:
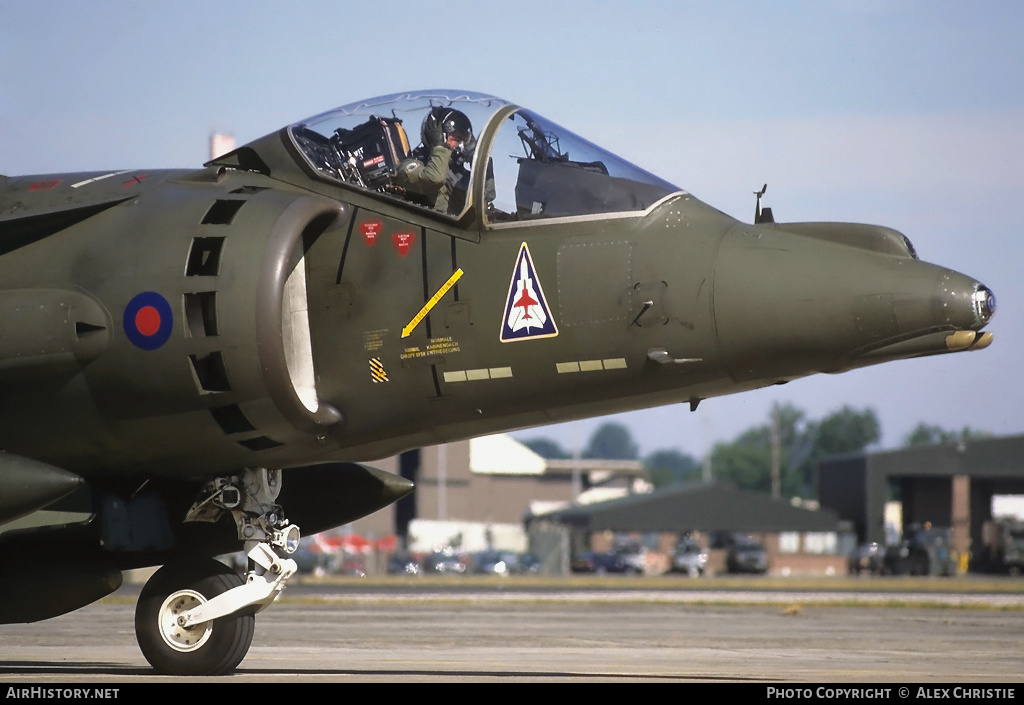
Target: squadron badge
(527,316)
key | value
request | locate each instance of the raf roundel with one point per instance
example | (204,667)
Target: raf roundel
(148,320)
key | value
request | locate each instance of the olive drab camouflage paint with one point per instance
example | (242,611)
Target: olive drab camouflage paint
(178,346)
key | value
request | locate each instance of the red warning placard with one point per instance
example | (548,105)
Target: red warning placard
(403,241)
(370,230)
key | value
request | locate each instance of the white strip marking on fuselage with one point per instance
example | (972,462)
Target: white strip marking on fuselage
(99,178)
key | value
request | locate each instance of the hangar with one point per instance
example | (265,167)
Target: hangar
(948,485)
(707,507)
(798,538)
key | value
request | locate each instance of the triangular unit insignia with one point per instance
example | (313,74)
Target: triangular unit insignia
(527,316)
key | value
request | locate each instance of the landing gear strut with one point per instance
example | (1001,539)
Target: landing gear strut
(198,618)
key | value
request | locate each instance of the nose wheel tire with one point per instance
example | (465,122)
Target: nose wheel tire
(207,649)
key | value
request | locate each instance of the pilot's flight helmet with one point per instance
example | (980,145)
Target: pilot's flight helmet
(452,122)
(456,123)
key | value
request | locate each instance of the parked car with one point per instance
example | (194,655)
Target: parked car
(529,563)
(602,562)
(867,558)
(1002,547)
(403,563)
(496,563)
(690,558)
(747,556)
(635,556)
(443,562)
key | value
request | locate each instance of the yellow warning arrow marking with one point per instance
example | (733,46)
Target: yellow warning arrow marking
(430,304)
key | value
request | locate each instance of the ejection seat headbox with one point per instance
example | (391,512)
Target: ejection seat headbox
(377,146)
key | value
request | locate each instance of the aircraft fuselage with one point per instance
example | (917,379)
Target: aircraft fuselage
(733,307)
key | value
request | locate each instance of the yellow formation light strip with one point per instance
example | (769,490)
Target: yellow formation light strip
(430,304)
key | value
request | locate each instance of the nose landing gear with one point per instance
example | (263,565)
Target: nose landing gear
(198,617)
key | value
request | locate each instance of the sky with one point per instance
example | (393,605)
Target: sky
(902,113)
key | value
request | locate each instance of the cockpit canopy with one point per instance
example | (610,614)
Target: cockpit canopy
(532,168)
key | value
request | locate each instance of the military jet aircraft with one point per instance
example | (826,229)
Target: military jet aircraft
(188,357)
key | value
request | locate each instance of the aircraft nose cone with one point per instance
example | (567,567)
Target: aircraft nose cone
(785,306)
(985,300)
(966,303)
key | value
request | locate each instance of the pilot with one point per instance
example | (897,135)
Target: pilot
(437,172)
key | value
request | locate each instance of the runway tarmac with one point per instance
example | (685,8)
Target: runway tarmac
(617,632)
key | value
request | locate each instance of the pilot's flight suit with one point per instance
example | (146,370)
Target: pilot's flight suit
(428,180)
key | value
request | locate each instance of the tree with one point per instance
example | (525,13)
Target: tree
(927,434)
(612,441)
(747,461)
(547,448)
(845,431)
(665,467)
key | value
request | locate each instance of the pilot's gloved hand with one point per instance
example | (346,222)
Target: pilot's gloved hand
(433,133)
